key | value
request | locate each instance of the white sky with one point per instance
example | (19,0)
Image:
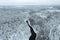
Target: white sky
(20,2)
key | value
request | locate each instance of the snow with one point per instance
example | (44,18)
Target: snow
(13,26)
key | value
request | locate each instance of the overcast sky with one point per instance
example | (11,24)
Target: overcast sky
(33,2)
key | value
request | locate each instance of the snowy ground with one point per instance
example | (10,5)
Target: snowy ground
(44,20)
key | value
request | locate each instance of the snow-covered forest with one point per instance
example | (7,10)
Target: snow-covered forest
(45,21)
